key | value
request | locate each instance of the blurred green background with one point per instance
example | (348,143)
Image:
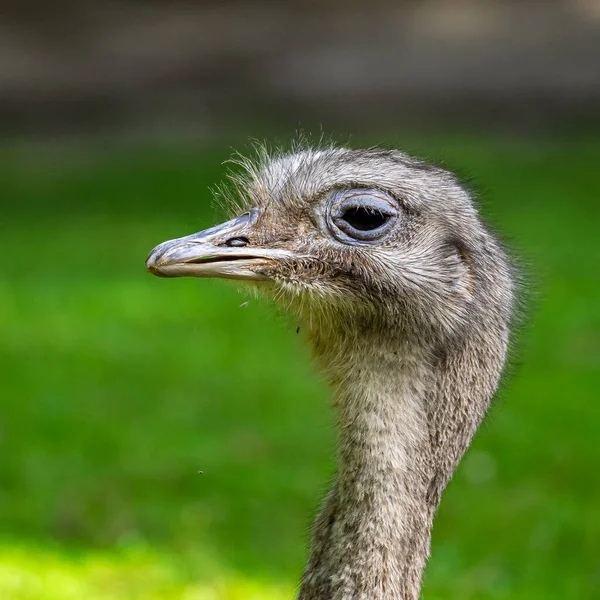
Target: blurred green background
(117,387)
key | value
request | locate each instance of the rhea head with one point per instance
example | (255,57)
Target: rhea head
(356,243)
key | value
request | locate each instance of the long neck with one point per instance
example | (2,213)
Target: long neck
(372,537)
(382,482)
(401,434)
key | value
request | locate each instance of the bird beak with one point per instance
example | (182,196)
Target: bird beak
(223,251)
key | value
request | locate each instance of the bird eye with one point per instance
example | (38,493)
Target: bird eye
(361,215)
(364,218)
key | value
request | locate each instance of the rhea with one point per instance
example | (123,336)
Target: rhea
(406,300)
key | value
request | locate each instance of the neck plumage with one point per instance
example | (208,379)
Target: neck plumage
(401,435)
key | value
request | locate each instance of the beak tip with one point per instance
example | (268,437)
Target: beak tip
(153,263)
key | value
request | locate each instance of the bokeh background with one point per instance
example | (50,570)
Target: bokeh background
(117,388)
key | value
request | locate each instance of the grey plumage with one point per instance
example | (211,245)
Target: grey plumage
(410,322)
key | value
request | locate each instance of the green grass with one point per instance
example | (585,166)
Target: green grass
(118,387)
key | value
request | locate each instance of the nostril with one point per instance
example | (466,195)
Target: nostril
(237,242)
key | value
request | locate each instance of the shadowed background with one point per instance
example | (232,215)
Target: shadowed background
(117,388)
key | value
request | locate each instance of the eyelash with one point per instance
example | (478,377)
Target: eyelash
(362,215)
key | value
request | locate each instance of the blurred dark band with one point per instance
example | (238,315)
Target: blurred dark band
(86,67)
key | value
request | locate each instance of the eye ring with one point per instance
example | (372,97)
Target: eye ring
(361,215)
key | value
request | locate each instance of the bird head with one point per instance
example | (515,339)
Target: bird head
(372,237)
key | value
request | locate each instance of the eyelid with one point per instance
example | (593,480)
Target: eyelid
(337,210)
(372,200)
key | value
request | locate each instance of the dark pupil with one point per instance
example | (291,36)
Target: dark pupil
(364,219)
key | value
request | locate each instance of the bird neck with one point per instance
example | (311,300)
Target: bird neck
(405,417)
(372,537)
